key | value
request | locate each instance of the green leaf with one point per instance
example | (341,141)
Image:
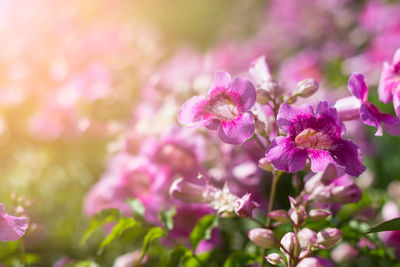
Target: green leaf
(202,230)
(392,225)
(176,256)
(99,219)
(167,218)
(123,225)
(137,207)
(87,264)
(240,258)
(153,234)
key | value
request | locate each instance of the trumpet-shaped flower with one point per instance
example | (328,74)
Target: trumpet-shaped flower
(226,109)
(389,85)
(369,113)
(314,136)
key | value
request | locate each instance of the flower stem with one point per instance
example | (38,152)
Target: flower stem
(275,178)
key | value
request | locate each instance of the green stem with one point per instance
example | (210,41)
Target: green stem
(275,179)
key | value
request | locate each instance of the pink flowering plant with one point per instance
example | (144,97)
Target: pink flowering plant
(206,133)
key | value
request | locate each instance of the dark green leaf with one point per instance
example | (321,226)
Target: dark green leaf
(122,225)
(167,218)
(137,207)
(153,234)
(392,225)
(239,259)
(177,255)
(202,230)
(99,219)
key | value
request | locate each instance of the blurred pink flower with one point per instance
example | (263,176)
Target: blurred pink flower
(11,228)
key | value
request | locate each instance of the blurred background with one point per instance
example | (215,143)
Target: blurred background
(73,74)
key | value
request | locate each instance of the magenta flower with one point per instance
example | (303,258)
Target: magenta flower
(226,109)
(369,113)
(389,85)
(11,228)
(313,136)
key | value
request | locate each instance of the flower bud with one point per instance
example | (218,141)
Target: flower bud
(306,237)
(263,96)
(264,164)
(349,193)
(318,214)
(306,88)
(322,194)
(279,215)
(298,215)
(328,237)
(262,237)
(245,206)
(310,262)
(274,258)
(344,253)
(289,243)
(188,192)
(324,177)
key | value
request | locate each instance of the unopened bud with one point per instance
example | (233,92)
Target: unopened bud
(289,243)
(343,194)
(344,253)
(262,237)
(263,96)
(328,237)
(306,237)
(318,214)
(264,164)
(245,206)
(274,258)
(306,88)
(188,192)
(310,262)
(298,215)
(279,215)
(322,194)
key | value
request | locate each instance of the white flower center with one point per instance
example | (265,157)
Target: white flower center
(223,108)
(310,138)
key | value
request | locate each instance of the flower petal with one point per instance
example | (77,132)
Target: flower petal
(385,91)
(396,101)
(348,108)
(285,155)
(369,116)
(259,72)
(237,131)
(192,110)
(348,154)
(220,83)
(244,91)
(328,120)
(293,120)
(358,86)
(319,159)
(11,228)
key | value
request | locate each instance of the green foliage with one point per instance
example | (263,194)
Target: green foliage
(202,230)
(87,264)
(240,258)
(392,225)
(177,254)
(122,225)
(137,207)
(153,234)
(167,218)
(100,219)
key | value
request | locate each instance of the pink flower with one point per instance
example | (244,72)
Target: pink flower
(226,109)
(389,85)
(369,113)
(11,228)
(314,136)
